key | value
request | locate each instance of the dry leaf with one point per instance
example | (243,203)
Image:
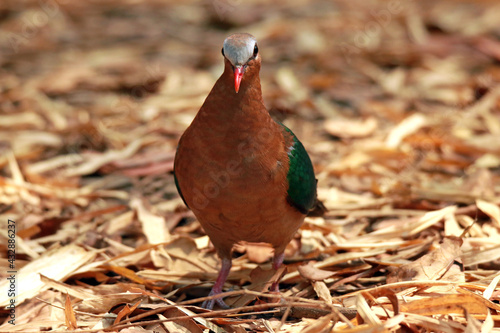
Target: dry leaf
(408,126)
(323,324)
(56,264)
(153,226)
(127,273)
(93,161)
(70,315)
(474,257)
(492,210)
(256,252)
(366,312)
(261,281)
(347,128)
(433,324)
(310,272)
(431,266)
(125,311)
(491,287)
(181,325)
(322,291)
(445,304)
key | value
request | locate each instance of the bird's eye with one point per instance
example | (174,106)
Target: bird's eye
(255,50)
(223,52)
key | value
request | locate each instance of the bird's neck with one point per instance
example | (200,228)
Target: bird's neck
(226,108)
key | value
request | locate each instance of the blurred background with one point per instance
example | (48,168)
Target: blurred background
(397,103)
(83,77)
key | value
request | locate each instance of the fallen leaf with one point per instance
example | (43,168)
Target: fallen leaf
(322,291)
(349,128)
(491,287)
(492,210)
(445,304)
(153,226)
(319,325)
(261,281)
(69,315)
(187,325)
(256,252)
(310,272)
(127,273)
(93,161)
(125,311)
(366,312)
(431,266)
(487,254)
(408,126)
(57,263)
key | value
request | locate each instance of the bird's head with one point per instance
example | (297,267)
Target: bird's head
(241,52)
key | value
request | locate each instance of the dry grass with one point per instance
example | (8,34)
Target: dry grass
(397,102)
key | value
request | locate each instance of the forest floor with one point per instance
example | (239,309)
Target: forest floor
(397,103)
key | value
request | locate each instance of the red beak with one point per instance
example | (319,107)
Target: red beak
(238,75)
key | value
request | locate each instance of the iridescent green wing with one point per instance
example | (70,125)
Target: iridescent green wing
(301,179)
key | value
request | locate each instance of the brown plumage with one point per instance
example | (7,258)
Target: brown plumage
(233,162)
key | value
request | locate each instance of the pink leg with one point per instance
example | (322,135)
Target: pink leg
(219,283)
(277,261)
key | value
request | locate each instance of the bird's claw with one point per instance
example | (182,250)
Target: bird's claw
(209,303)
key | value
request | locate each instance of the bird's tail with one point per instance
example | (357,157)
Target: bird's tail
(318,209)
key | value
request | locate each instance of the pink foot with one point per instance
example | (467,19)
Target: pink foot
(277,262)
(209,304)
(217,288)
